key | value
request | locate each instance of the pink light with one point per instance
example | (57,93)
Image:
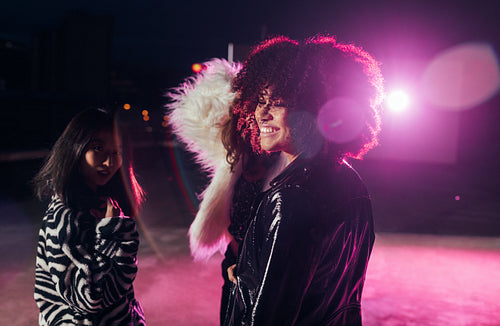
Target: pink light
(462,77)
(137,191)
(339,120)
(398,101)
(429,280)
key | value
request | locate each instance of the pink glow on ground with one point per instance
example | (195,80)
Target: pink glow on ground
(429,280)
(15,257)
(411,280)
(462,77)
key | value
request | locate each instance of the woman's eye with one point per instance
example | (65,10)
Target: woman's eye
(277,105)
(261,100)
(97,148)
(277,101)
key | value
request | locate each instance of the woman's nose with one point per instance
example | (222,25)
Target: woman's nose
(109,160)
(262,113)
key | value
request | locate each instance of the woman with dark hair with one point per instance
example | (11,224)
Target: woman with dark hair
(87,247)
(304,257)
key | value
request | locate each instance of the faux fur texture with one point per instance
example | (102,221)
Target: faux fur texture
(198,109)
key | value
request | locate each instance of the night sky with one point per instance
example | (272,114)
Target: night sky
(156,42)
(176,33)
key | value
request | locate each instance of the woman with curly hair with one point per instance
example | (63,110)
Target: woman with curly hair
(202,118)
(304,256)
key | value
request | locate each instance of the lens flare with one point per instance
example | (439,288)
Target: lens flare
(462,77)
(180,175)
(340,120)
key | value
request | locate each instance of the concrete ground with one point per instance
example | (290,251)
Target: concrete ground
(436,260)
(412,280)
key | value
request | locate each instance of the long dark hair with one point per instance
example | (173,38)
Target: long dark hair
(307,75)
(60,174)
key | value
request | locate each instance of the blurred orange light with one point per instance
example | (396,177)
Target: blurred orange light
(166,117)
(164,124)
(197,67)
(126,106)
(145,112)
(145,118)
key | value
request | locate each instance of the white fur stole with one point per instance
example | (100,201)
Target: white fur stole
(199,107)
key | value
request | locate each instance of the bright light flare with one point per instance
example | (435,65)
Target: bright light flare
(398,101)
(462,77)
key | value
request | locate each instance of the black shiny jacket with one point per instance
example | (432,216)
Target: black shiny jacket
(304,258)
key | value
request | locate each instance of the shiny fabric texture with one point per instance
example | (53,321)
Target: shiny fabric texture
(304,258)
(244,194)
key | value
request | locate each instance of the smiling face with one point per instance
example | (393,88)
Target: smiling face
(275,134)
(101,160)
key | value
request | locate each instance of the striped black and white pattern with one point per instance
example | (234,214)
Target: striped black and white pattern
(85,268)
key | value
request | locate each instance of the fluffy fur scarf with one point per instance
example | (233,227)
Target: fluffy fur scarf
(197,110)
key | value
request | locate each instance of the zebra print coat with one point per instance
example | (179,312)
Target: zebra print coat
(85,267)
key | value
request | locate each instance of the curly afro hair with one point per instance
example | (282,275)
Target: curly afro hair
(307,75)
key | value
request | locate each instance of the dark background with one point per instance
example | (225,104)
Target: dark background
(58,57)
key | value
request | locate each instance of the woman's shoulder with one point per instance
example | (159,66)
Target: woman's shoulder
(331,183)
(59,210)
(336,174)
(55,204)
(319,175)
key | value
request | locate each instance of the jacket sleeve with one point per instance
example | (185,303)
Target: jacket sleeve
(301,237)
(92,263)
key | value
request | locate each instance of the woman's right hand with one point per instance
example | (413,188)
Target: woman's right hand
(230,274)
(112,208)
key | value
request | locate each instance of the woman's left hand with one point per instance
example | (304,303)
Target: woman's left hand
(113,209)
(230,274)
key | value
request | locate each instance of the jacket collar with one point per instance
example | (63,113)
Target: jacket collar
(301,167)
(298,169)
